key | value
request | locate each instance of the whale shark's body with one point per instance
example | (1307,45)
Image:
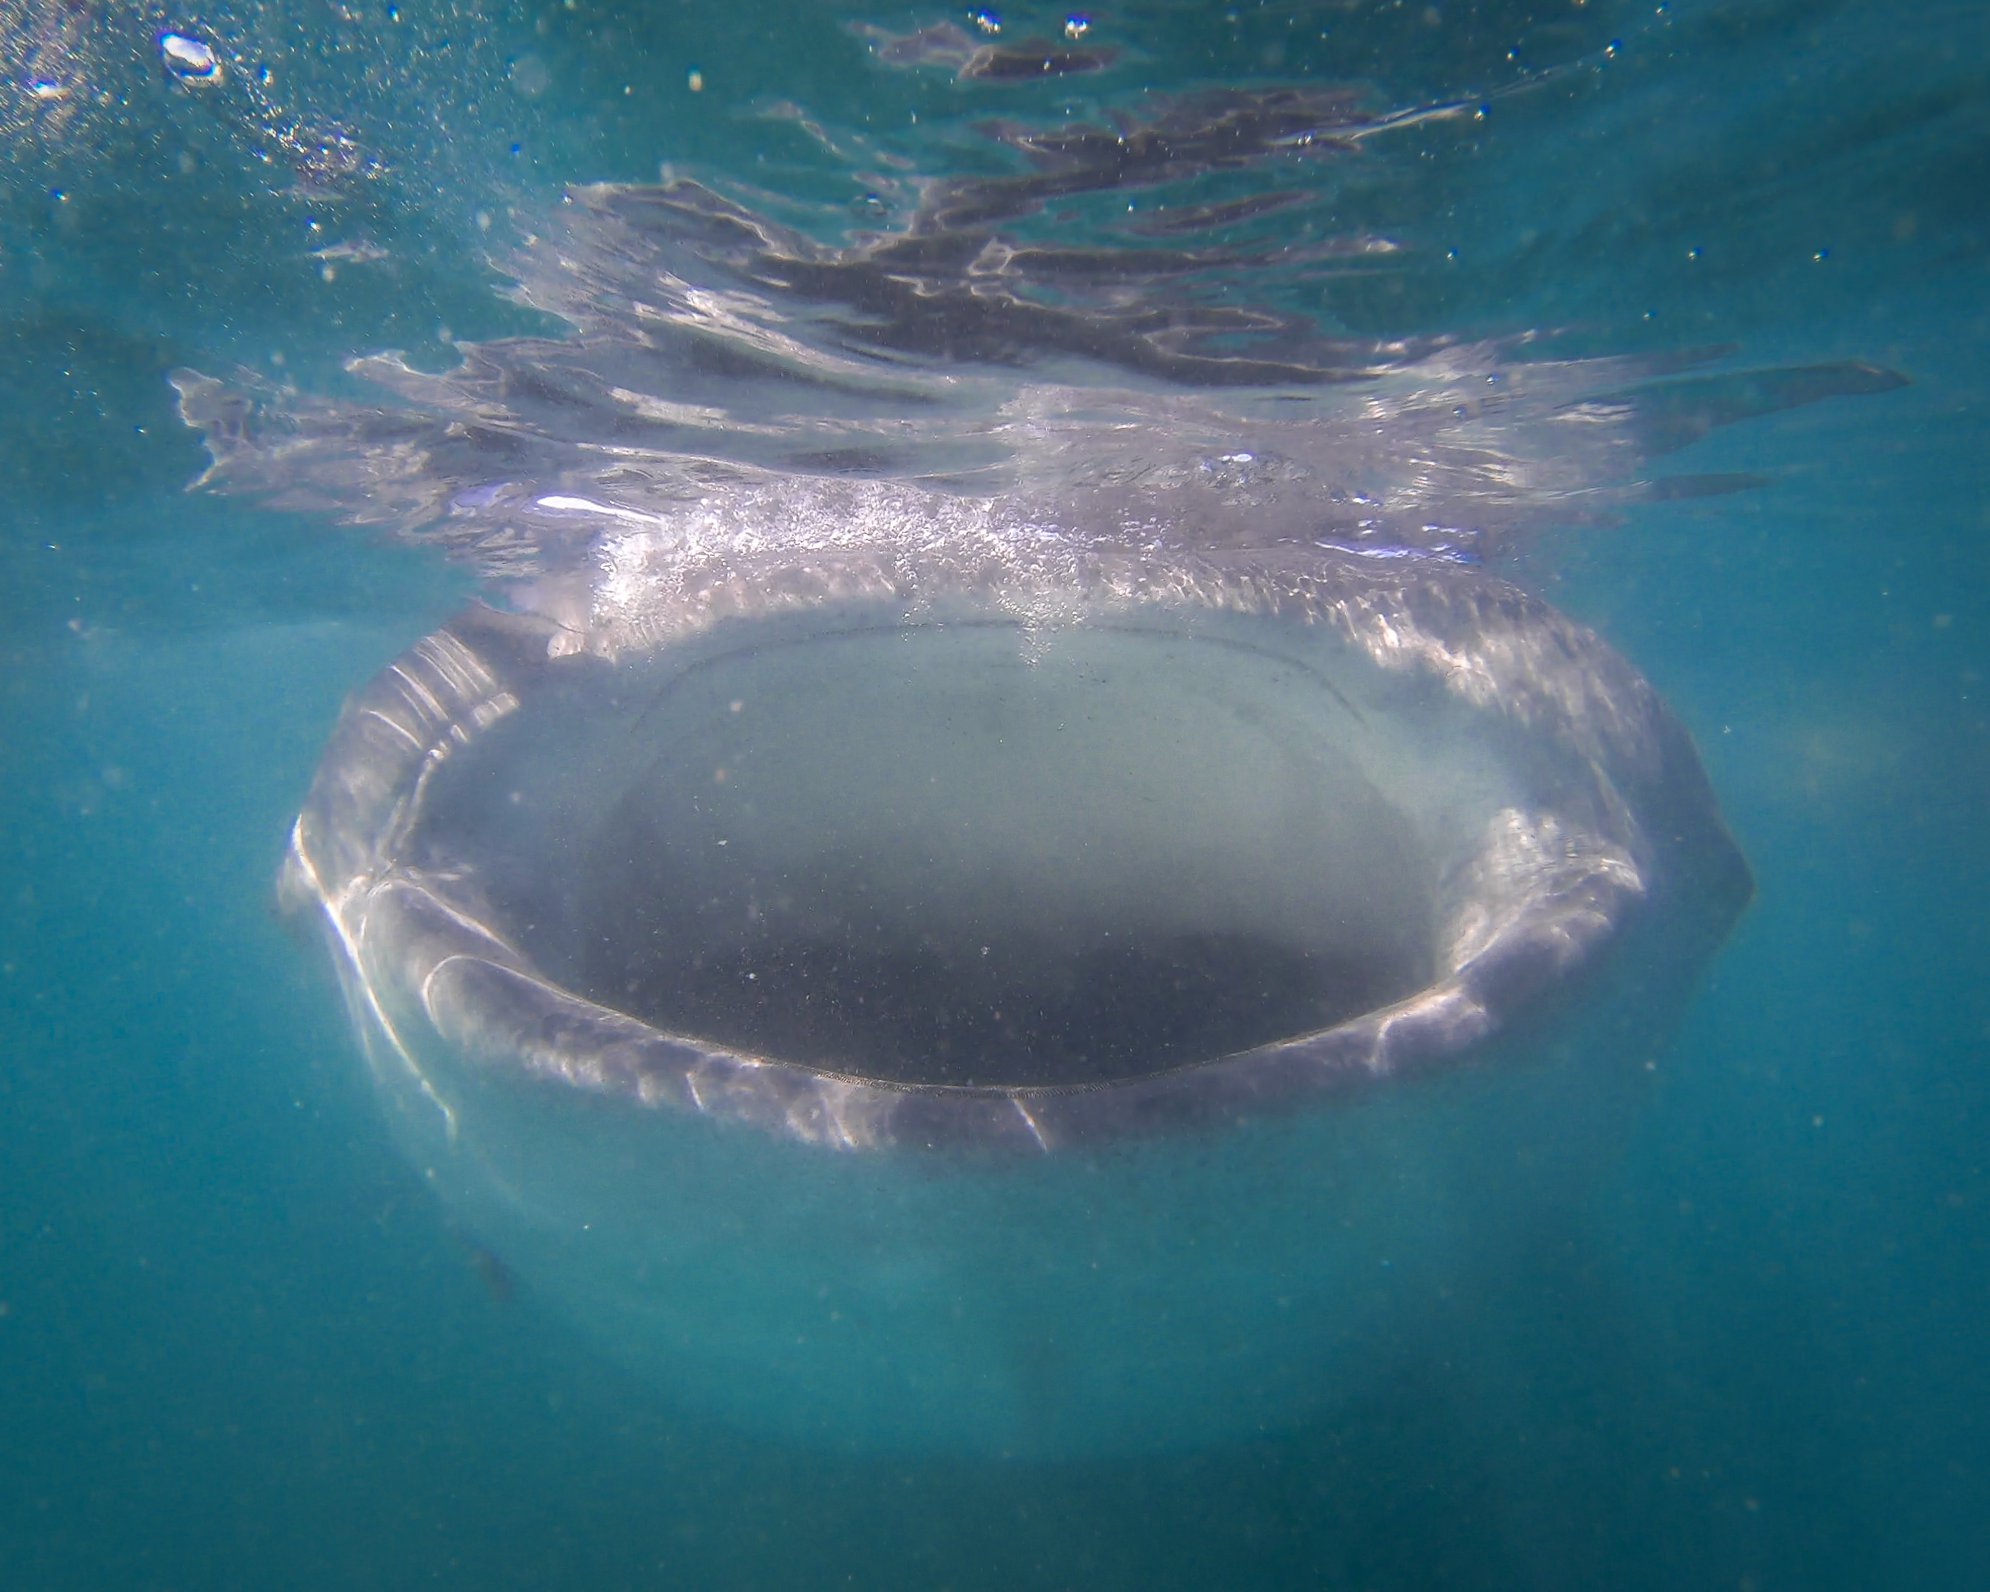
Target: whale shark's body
(1060,922)
(910,1008)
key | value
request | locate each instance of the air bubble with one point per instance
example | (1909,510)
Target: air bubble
(189,60)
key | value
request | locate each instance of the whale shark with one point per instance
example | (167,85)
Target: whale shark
(997,870)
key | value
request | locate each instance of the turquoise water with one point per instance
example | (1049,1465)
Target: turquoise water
(240,1345)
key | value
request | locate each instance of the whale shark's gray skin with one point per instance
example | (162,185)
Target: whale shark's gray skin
(920,1003)
(1057,921)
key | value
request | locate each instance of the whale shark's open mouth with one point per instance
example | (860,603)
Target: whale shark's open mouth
(957,866)
(958,854)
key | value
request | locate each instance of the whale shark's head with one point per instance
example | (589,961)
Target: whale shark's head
(979,906)
(951,849)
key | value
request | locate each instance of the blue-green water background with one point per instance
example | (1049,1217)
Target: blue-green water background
(239,1344)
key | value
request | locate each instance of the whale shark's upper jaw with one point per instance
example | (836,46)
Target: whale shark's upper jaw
(926,851)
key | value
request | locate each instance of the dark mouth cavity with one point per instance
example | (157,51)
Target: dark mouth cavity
(1031,1012)
(930,857)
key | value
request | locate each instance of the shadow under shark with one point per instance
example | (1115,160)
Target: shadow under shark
(973,910)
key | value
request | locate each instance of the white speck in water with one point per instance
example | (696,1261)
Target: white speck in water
(190,60)
(530,76)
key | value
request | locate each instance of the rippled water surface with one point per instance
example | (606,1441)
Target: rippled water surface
(1672,313)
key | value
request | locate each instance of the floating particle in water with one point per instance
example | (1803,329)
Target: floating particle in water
(973,59)
(530,76)
(356,251)
(48,88)
(325,159)
(189,60)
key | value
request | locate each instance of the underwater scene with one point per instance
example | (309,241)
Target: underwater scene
(846,795)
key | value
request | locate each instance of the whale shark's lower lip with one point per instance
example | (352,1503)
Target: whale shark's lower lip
(902,879)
